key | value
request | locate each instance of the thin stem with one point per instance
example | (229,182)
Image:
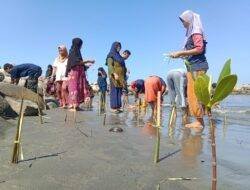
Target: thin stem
(213,147)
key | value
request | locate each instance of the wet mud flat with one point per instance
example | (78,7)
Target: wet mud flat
(85,155)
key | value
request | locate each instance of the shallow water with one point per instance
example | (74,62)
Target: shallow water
(124,160)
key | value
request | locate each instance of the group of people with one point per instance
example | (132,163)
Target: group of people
(72,88)
(180,82)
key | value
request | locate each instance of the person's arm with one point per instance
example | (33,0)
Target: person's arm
(199,47)
(87,63)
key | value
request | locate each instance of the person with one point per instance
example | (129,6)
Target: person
(194,54)
(33,72)
(116,73)
(77,81)
(59,70)
(153,85)
(49,71)
(103,86)
(138,88)
(91,96)
(177,85)
(126,54)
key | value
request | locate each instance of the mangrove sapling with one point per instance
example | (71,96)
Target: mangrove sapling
(225,86)
(158,125)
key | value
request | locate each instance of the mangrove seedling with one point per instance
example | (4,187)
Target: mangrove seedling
(225,86)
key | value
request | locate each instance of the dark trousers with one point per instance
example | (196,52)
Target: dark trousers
(115,97)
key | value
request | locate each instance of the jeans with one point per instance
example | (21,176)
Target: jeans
(177,82)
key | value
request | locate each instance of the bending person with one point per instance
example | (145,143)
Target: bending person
(33,72)
(177,86)
(153,85)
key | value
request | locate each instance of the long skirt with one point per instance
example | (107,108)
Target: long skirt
(77,86)
(195,107)
(62,92)
(115,96)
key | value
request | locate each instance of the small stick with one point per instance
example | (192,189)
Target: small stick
(40,114)
(74,112)
(104,119)
(39,110)
(66,116)
(158,125)
(158,119)
(44,98)
(171,119)
(16,148)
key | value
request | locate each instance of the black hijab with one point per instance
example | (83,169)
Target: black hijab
(115,55)
(75,55)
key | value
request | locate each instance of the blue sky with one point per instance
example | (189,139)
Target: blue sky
(31,30)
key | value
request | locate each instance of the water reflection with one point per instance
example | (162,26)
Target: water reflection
(191,147)
(149,128)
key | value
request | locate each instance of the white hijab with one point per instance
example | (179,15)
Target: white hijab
(195,24)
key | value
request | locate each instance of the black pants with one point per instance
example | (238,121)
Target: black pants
(32,84)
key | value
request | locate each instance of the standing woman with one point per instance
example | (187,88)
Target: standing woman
(194,53)
(116,72)
(75,71)
(59,70)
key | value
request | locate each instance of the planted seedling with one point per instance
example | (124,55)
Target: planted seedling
(225,86)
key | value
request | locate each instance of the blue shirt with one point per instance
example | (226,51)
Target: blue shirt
(24,70)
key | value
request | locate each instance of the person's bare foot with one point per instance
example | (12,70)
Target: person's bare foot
(197,126)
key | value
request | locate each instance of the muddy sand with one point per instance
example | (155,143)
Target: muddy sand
(61,155)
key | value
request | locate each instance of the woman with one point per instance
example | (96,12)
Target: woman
(194,53)
(77,82)
(59,70)
(153,85)
(116,72)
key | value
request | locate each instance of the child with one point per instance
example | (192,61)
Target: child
(125,55)
(103,86)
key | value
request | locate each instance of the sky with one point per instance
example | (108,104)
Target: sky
(31,31)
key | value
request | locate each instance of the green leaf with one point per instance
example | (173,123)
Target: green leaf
(201,89)
(223,89)
(226,70)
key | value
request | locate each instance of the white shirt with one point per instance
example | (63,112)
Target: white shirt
(60,69)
